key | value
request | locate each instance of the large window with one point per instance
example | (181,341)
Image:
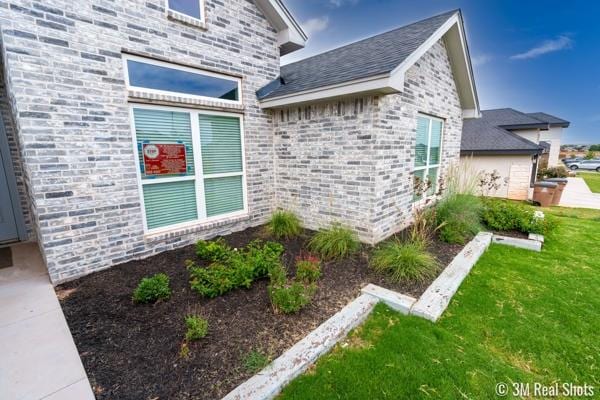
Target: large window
(427,156)
(158,77)
(191,165)
(191,8)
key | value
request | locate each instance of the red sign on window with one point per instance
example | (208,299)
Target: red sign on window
(164,159)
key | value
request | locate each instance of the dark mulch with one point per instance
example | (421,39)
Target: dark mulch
(133,351)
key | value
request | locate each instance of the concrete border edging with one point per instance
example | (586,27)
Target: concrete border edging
(269,382)
(527,244)
(396,301)
(434,301)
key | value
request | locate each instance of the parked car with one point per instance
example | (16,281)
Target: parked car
(586,164)
(569,161)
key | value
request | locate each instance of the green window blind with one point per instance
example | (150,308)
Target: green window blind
(221,144)
(160,126)
(422,142)
(223,195)
(436,141)
(170,203)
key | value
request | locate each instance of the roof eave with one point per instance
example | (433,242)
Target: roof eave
(503,152)
(290,36)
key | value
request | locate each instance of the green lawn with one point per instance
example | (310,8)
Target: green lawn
(520,316)
(592,179)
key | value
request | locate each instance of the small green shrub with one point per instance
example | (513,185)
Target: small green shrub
(552,172)
(254,361)
(284,225)
(404,262)
(291,297)
(503,215)
(308,269)
(459,214)
(238,269)
(334,243)
(197,327)
(152,289)
(216,250)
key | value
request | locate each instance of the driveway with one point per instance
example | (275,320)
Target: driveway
(577,194)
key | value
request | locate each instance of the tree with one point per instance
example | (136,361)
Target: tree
(589,155)
(595,147)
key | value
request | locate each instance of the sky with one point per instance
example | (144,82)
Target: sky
(541,55)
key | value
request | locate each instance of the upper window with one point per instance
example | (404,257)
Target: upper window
(427,156)
(159,77)
(191,8)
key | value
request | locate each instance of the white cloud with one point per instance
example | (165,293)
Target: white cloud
(315,25)
(339,3)
(560,43)
(481,59)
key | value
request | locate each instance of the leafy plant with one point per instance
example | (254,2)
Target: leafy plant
(308,269)
(284,225)
(334,243)
(291,297)
(152,289)
(216,250)
(459,214)
(254,361)
(404,262)
(197,327)
(238,269)
(552,172)
(503,215)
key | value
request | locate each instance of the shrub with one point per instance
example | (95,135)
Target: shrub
(238,269)
(254,361)
(553,172)
(284,225)
(308,269)
(152,289)
(216,250)
(334,243)
(404,262)
(459,215)
(291,297)
(503,215)
(197,327)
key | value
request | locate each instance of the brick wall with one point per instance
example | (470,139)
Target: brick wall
(351,161)
(66,87)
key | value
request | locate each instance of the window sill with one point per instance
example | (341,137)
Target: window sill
(194,227)
(175,16)
(154,98)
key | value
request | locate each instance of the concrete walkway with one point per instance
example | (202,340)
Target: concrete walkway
(577,194)
(38,358)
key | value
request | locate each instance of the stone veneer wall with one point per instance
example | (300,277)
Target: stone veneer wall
(351,161)
(66,87)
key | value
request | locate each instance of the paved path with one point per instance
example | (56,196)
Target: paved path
(38,358)
(578,194)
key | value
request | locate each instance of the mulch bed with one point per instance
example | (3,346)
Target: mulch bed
(133,351)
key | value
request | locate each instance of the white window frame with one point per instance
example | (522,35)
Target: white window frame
(428,166)
(198,176)
(127,57)
(182,16)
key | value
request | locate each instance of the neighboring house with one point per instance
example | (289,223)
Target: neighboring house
(511,143)
(139,127)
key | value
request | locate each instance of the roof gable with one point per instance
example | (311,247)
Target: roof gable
(375,64)
(510,118)
(290,35)
(480,136)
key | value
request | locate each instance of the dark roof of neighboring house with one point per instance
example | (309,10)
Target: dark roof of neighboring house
(550,119)
(510,118)
(369,57)
(482,136)
(546,146)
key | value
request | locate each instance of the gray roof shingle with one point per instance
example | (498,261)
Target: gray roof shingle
(510,118)
(482,136)
(550,119)
(373,56)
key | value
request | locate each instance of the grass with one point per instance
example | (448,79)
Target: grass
(592,179)
(520,316)
(335,243)
(407,262)
(284,225)
(255,360)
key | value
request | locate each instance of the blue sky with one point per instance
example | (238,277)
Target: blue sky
(528,55)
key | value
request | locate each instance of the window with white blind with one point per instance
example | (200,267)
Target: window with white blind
(190,165)
(427,156)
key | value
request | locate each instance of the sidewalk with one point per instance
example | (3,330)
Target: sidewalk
(577,194)
(38,358)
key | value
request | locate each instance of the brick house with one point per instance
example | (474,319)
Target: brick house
(135,127)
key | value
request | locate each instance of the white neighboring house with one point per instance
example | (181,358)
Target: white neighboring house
(512,143)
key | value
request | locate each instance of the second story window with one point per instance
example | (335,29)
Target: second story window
(191,8)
